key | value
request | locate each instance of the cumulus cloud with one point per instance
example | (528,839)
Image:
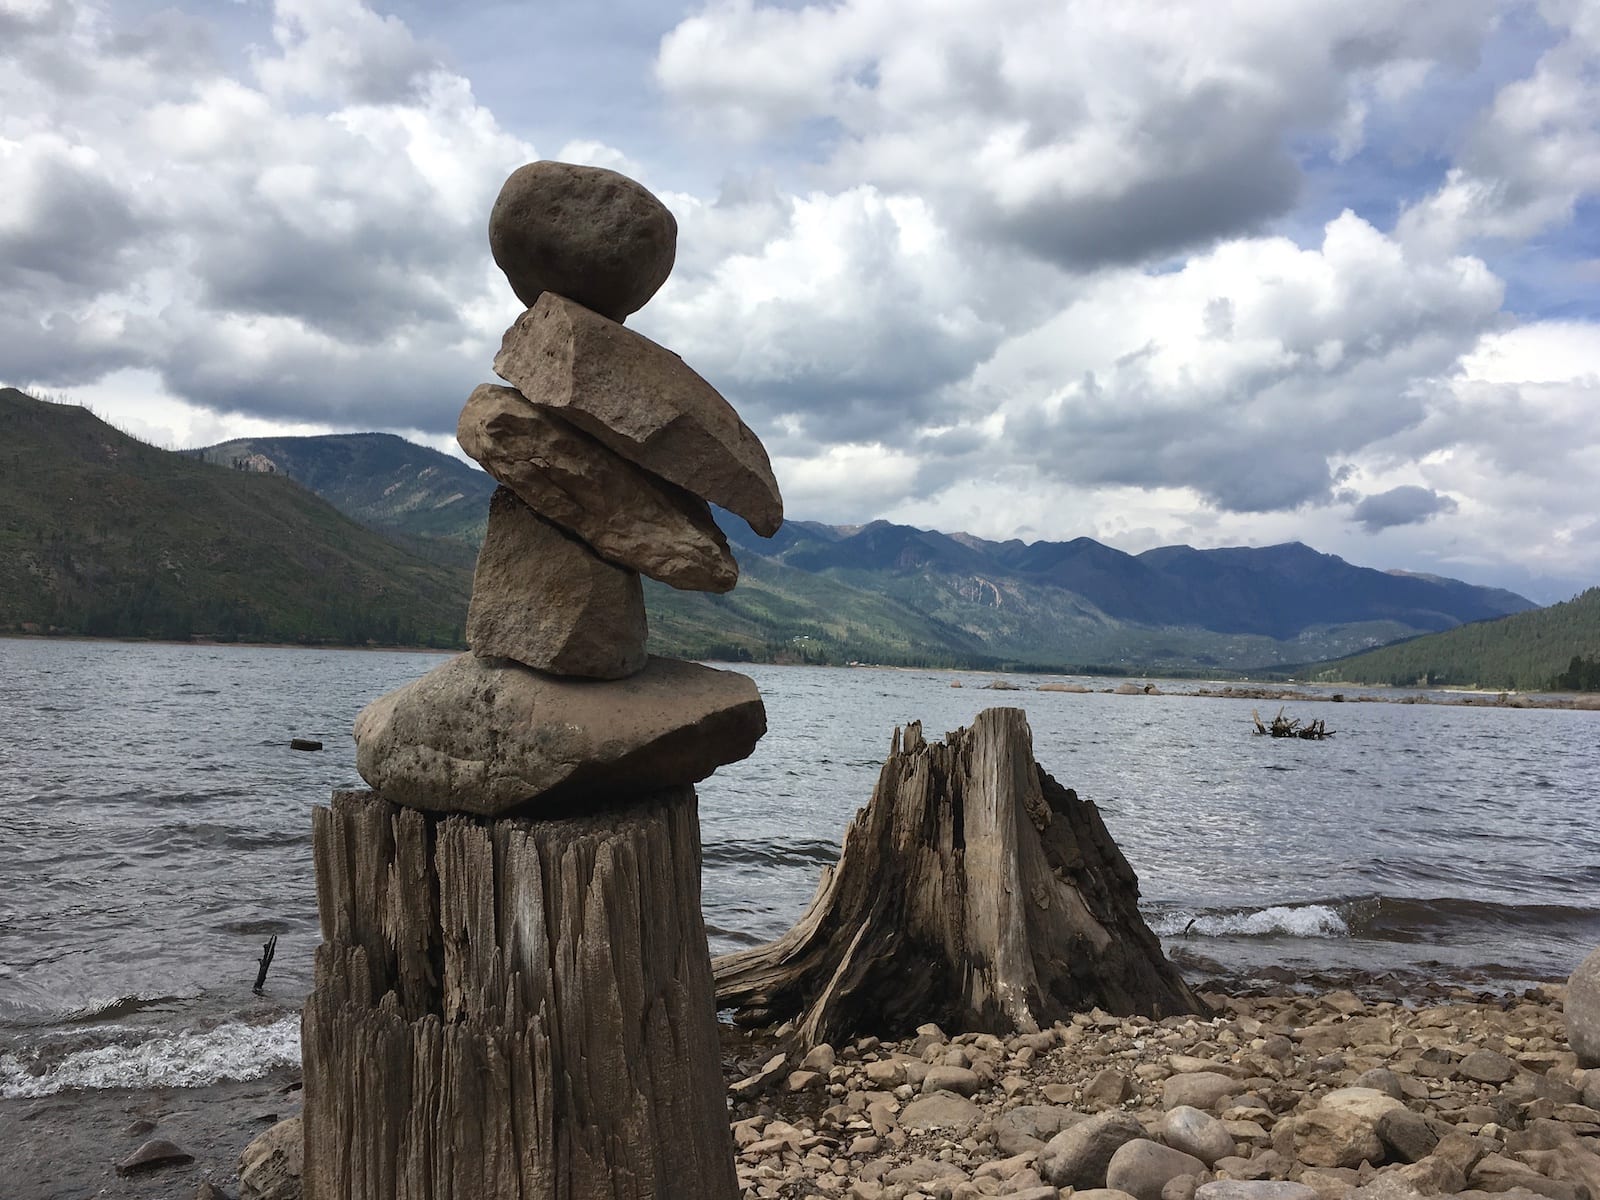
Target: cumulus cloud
(1082,132)
(1029,268)
(1533,155)
(1407,504)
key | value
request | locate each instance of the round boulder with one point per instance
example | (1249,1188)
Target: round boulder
(1583,1011)
(1197,1133)
(585,233)
(1142,1168)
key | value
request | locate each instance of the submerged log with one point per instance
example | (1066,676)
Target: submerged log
(1290,727)
(973,890)
(512,1008)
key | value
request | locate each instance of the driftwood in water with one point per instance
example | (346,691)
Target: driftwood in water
(1282,727)
(512,1008)
(973,890)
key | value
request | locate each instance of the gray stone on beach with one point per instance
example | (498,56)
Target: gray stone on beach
(642,401)
(1261,1189)
(1077,1157)
(480,737)
(1487,1066)
(544,599)
(941,1110)
(271,1166)
(585,232)
(1198,1089)
(1583,1011)
(627,515)
(1142,1168)
(1197,1133)
(157,1152)
(1028,1127)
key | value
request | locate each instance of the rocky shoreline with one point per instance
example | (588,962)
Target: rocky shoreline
(1277,1097)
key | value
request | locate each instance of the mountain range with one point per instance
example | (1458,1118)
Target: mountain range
(894,594)
(357,538)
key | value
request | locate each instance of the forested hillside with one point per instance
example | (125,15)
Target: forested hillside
(1529,651)
(103,535)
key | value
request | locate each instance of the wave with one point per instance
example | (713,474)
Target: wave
(1306,920)
(1378,918)
(230,1051)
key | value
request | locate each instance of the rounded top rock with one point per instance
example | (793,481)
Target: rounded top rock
(585,233)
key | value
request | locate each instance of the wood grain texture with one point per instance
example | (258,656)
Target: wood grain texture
(973,890)
(512,1008)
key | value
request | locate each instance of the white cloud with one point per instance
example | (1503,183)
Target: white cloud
(1082,131)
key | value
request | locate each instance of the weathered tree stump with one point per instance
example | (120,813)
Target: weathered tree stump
(973,890)
(513,1008)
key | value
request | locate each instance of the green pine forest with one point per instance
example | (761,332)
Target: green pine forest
(1555,648)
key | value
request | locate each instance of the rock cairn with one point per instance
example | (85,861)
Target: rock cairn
(514,993)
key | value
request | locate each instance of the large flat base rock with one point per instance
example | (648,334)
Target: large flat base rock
(490,736)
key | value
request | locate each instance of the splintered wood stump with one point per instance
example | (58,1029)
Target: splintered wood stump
(972,890)
(512,1008)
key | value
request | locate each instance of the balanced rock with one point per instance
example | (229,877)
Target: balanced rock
(1583,1011)
(477,737)
(642,401)
(627,515)
(545,600)
(583,232)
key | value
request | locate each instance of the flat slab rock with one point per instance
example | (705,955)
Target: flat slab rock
(489,736)
(642,401)
(626,514)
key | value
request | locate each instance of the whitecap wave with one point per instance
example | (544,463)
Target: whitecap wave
(1306,920)
(231,1051)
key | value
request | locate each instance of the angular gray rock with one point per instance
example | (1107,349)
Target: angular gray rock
(941,1110)
(642,401)
(1142,1168)
(157,1152)
(1407,1135)
(584,232)
(477,737)
(1077,1157)
(627,515)
(1029,1126)
(1197,1133)
(544,599)
(1487,1066)
(1583,1011)
(271,1166)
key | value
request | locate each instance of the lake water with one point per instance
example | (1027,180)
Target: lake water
(157,829)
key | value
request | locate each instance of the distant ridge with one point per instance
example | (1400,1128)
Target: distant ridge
(888,593)
(102,534)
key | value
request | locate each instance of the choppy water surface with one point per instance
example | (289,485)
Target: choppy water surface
(157,831)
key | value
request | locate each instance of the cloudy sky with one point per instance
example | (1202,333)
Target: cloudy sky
(1163,272)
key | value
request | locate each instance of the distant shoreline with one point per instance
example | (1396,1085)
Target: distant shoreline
(1130,685)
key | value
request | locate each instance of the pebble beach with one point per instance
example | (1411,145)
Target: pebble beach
(1275,1097)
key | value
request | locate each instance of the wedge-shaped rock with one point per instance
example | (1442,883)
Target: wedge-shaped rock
(545,599)
(644,402)
(627,515)
(487,736)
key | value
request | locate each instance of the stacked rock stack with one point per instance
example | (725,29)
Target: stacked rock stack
(514,994)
